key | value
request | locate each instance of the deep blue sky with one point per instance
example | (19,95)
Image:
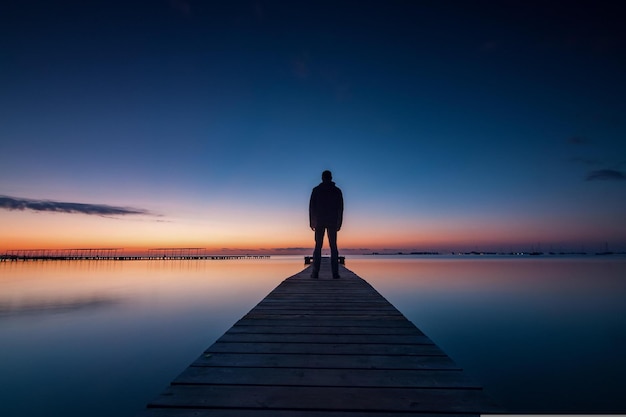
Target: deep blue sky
(448,124)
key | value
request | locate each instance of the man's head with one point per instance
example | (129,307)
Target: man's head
(327,176)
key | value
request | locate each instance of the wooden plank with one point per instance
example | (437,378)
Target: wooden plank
(391,323)
(287,329)
(288,360)
(259,412)
(325,398)
(327,313)
(327,349)
(307,305)
(400,339)
(326,301)
(325,377)
(333,310)
(348,286)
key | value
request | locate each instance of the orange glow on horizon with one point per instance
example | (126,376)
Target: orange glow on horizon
(26,230)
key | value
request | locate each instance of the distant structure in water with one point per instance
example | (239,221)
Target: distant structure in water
(117,254)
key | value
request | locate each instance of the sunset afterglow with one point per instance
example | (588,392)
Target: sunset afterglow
(449,126)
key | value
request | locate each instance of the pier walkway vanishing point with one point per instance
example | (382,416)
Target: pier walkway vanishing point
(322,347)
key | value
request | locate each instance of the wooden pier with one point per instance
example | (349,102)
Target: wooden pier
(322,347)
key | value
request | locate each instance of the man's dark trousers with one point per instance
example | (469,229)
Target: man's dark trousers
(334,253)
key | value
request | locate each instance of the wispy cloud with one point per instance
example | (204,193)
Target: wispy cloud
(586,161)
(606,175)
(13,203)
(606,168)
(490,46)
(578,140)
(181,6)
(239,250)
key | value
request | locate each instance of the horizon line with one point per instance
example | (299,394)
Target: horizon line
(191,252)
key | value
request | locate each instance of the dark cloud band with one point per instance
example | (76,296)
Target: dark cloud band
(12,203)
(606,175)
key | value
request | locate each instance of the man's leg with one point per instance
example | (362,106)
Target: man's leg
(334,252)
(317,252)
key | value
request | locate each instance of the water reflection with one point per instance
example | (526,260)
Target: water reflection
(543,335)
(103,338)
(55,306)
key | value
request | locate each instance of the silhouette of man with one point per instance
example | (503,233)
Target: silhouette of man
(326,215)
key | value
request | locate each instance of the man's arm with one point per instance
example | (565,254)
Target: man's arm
(312,212)
(340,211)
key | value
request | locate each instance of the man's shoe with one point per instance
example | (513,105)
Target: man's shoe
(336,276)
(314,276)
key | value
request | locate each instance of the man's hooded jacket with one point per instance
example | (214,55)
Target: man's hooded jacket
(326,206)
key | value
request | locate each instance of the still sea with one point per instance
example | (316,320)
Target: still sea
(542,334)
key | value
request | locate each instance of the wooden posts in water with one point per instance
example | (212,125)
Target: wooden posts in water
(322,347)
(116,254)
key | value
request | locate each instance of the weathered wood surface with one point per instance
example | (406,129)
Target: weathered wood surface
(322,347)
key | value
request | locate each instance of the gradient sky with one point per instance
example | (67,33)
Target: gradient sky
(449,125)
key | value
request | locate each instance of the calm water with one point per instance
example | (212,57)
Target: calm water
(104,338)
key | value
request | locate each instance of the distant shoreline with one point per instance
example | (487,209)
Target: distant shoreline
(486,253)
(25,256)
